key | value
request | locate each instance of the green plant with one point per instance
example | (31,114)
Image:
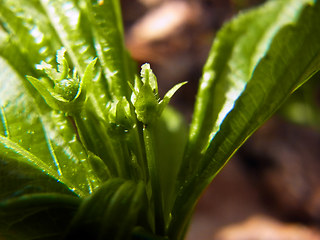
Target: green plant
(88,149)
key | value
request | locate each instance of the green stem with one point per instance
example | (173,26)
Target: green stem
(185,203)
(140,150)
(181,215)
(154,178)
(137,170)
(125,170)
(95,139)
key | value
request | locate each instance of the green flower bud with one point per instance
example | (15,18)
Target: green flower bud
(120,118)
(146,105)
(67,88)
(68,94)
(145,96)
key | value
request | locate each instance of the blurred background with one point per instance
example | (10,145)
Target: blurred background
(270,190)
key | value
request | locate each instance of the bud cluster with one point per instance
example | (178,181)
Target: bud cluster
(68,93)
(145,96)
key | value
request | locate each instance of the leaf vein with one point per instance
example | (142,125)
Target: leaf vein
(4,123)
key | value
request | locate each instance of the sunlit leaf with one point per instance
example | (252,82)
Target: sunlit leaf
(34,134)
(248,95)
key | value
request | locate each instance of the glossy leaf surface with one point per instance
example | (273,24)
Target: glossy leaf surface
(109,166)
(109,42)
(37,216)
(35,135)
(248,95)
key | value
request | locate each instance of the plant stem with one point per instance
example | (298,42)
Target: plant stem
(184,205)
(141,151)
(138,157)
(94,138)
(148,135)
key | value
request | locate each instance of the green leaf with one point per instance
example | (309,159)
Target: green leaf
(40,137)
(18,177)
(26,33)
(71,25)
(170,139)
(107,27)
(65,18)
(234,55)
(167,97)
(110,213)
(11,52)
(37,216)
(290,59)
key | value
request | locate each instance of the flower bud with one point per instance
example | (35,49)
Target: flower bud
(145,96)
(67,88)
(69,93)
(120,118)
